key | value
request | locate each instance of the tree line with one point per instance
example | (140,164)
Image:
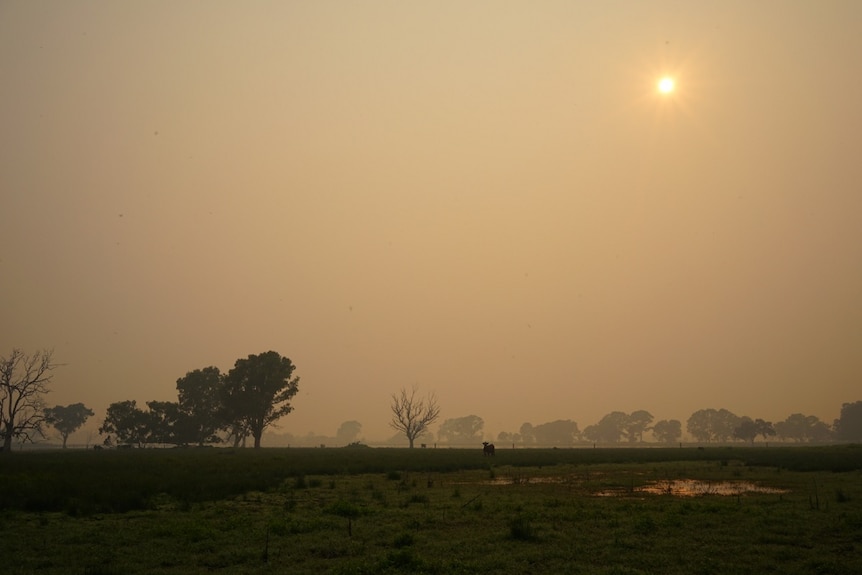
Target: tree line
(704,426)
(412,416)
(214,407)
(211,407)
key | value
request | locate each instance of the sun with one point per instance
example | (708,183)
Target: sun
(666,85)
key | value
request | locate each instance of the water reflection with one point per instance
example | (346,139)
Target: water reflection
(694,487)
(675,487)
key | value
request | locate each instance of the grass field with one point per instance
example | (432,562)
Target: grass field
(441,511)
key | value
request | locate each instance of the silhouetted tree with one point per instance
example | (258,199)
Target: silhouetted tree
(803,428)
(67,419)
(748,429)
(637,423)
(24,382)
(257,392)
(200,394)
(462,430)
(128,423)
(166,423)
(562,432)
(712,425)
(609,429)
(667,431)
(412,415)
(848,426)
(348,432)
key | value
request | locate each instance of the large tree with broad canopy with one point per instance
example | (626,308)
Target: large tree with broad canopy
(199,393)
(257,392)
(462,430)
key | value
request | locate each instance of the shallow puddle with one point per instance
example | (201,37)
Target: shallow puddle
(516,480)
(694,487)
(675,487)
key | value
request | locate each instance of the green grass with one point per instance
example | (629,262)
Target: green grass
(428,511)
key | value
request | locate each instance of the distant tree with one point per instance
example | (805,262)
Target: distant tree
(528,437)
(200,394)
(257,392)
(667,431)
(820,432)
(748,429)
(765,429)
(848,426)
(562,432)
(506,437)
(609,429)
(637,423)
(128,423)
(412,415)
(348,432)
(726,423)
(24,383)
(709,425)
(803,428)
(67,419)
(462,430)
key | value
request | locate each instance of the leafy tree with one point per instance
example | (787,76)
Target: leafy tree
(200,394)
(257,392)
(726,423)
(128,423)
(462,430)
(166,423)
(638,422)
(556,433)
(709,425)
(609,429)
(412,415)
(749,429)
(667,431)
(24,382)
(746,430)
(67,419)
(848,427)
(348,432)
(803,428)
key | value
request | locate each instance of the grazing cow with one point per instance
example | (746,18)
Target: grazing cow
(488,448)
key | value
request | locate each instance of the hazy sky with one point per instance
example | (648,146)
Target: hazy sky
(488,200)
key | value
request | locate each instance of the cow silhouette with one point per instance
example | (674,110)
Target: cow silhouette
(487,448)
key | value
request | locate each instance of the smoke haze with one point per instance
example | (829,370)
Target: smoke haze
(489,201)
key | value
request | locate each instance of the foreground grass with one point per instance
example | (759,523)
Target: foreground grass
(400,511)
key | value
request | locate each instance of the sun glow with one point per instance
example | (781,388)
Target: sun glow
(666,85)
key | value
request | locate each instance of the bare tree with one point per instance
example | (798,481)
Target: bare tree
(24,381)
(412,415)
